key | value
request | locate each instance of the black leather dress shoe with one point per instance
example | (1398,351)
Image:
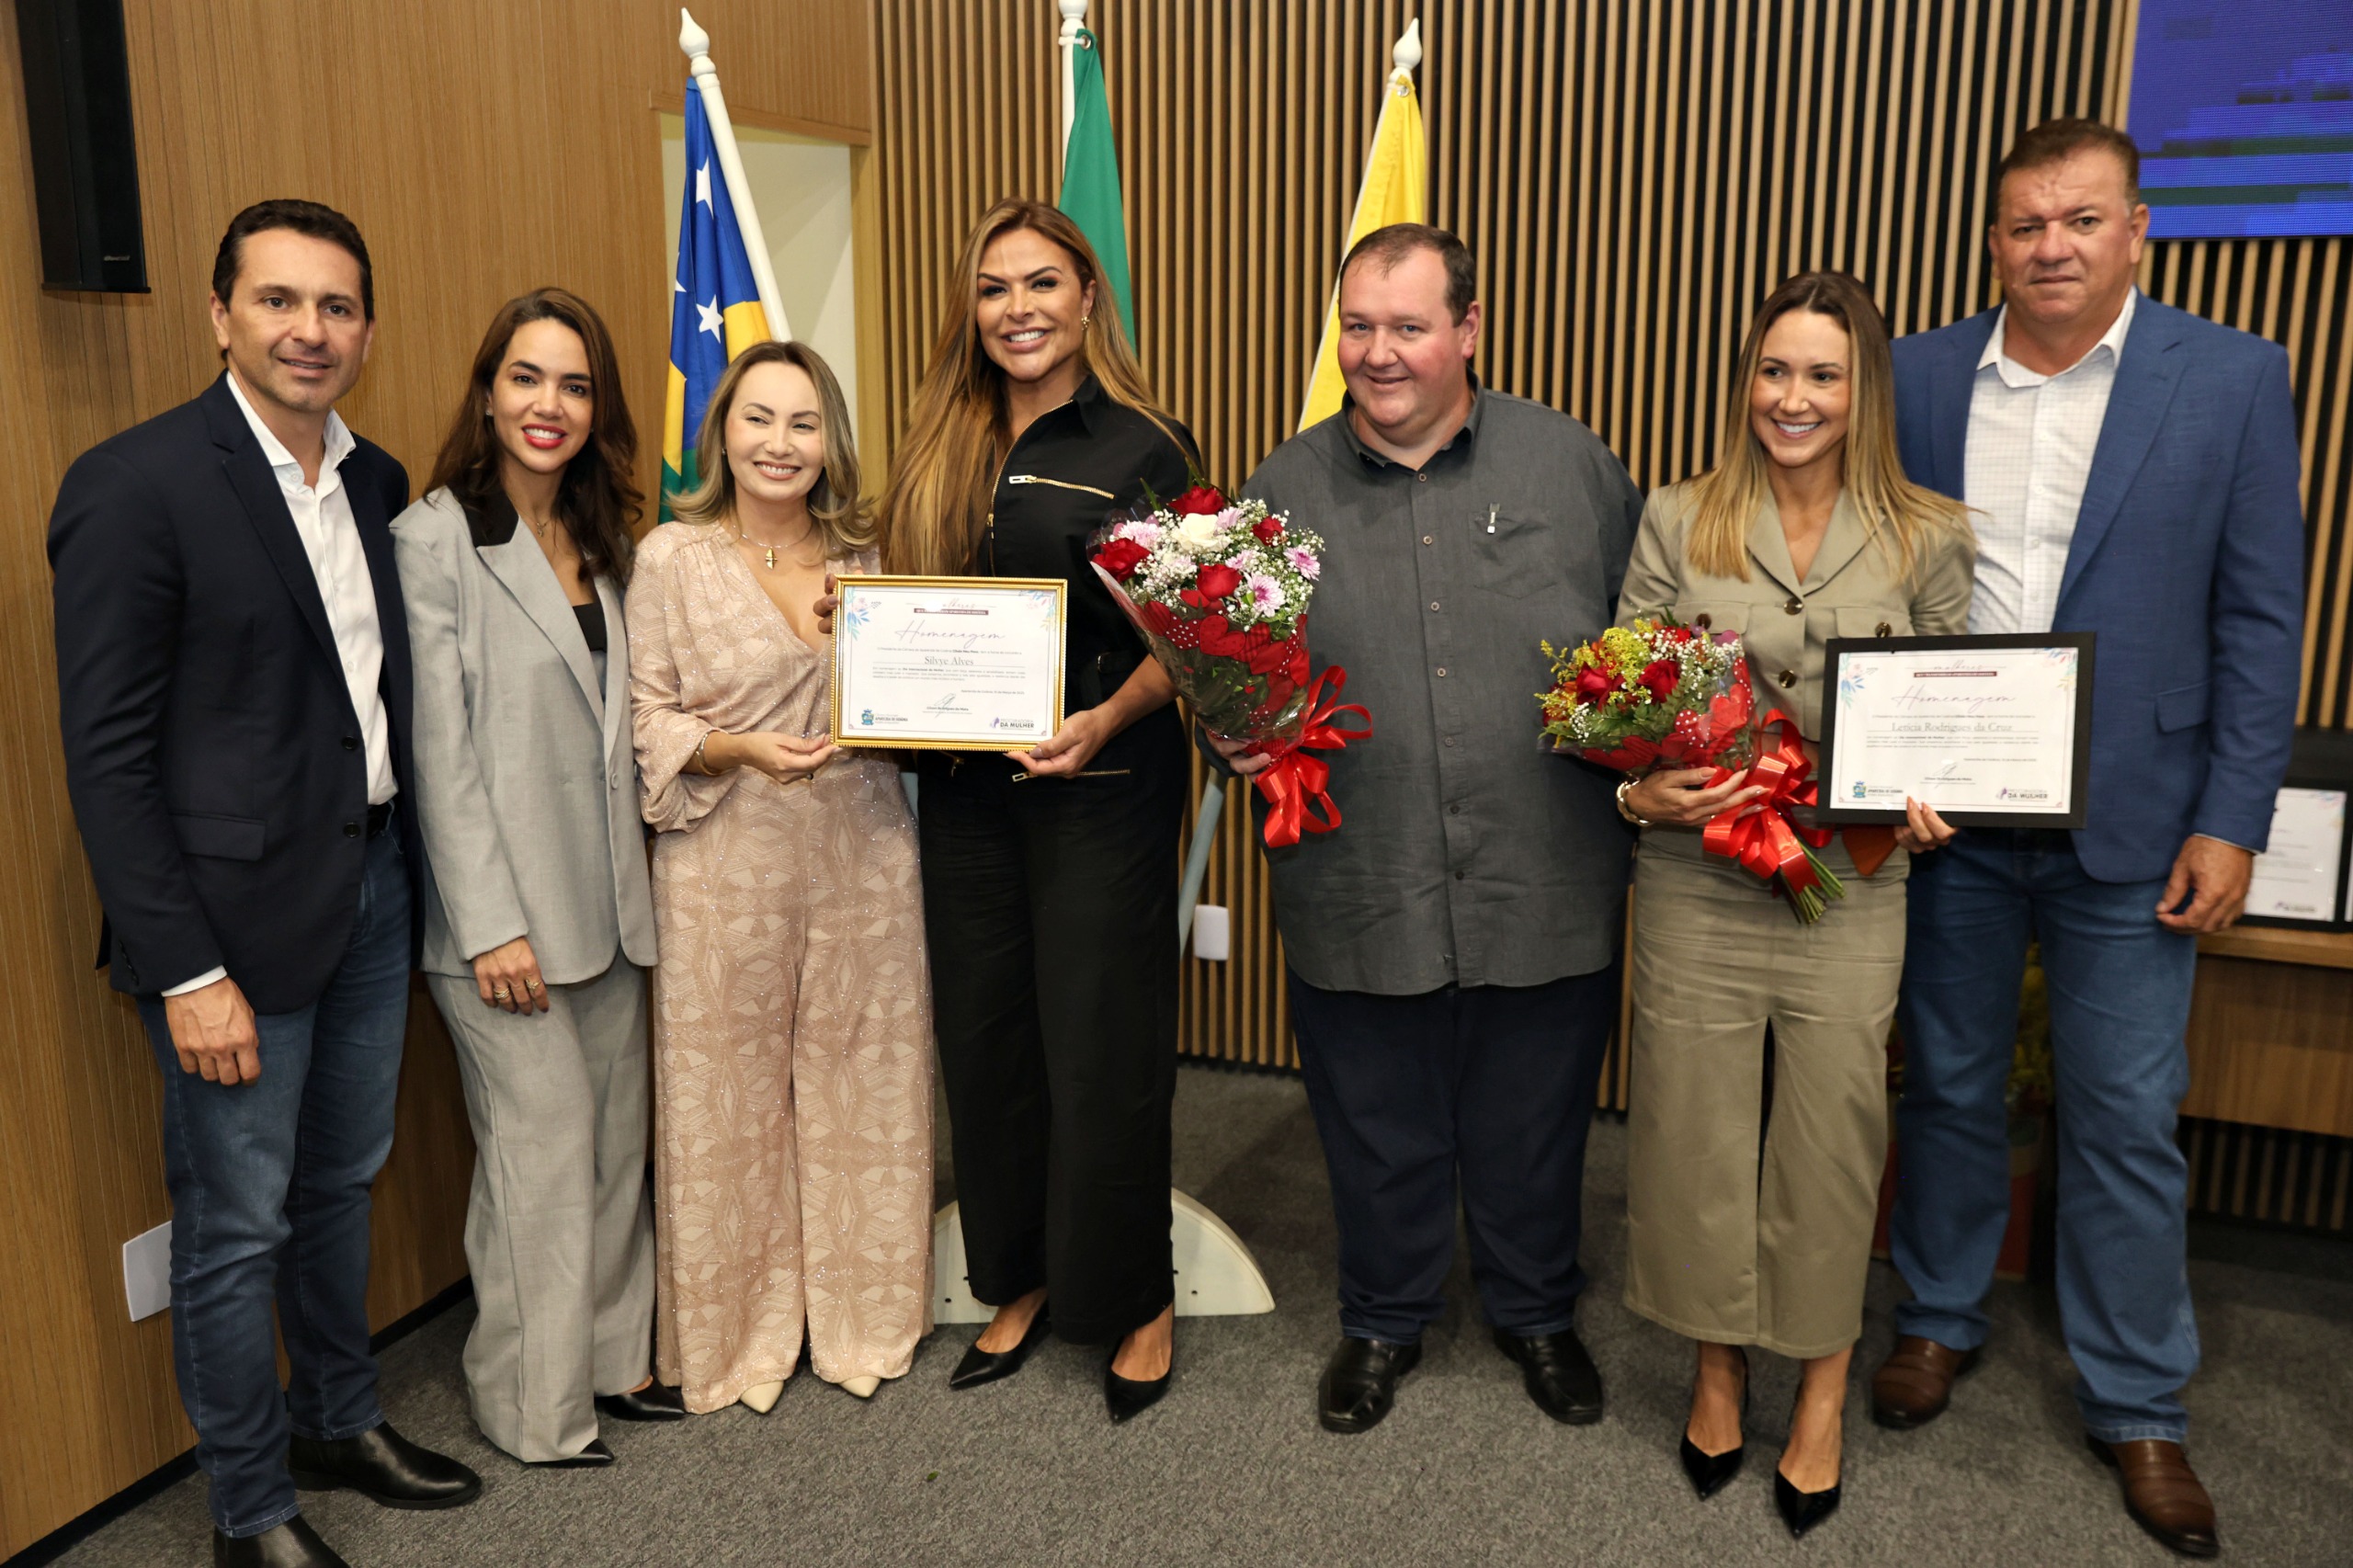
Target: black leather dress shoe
(1360,1382)
(980,1366)
(1126,1396)
(595,1455)
(654,1402)
(382,1465)
(1560,1378)
(294,1544)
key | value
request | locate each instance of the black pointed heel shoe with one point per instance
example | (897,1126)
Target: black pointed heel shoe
(1803,1510)
(1710,1473)
(595,1455)
(654,1402)
(1126,1398)
(980,1366)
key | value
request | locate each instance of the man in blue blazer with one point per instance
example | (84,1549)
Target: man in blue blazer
(233,687)
(2132,472)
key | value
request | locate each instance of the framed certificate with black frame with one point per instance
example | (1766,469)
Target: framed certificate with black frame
(1992,731)
(947,663)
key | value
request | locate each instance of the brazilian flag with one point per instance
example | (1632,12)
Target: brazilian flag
(715,311)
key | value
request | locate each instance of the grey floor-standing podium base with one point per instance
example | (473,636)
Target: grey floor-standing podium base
(1216,1275)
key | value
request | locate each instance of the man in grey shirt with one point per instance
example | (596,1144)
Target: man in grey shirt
(1454,946)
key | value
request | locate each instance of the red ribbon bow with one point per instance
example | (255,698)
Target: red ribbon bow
(1760,835)
(1296,799)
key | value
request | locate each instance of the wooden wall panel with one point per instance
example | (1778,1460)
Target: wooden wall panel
(1633,177)
(483,148)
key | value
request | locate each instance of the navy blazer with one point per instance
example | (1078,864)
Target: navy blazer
(212,751)
(2186,563)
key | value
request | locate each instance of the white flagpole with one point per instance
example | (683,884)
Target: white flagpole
(696,44)
(1073,18)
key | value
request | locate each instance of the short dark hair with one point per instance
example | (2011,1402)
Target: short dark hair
(1393,244)
(2056,141)
(320,222)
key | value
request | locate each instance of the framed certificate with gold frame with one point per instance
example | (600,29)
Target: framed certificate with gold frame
(963,663)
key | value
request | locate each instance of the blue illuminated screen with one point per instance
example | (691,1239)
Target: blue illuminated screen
(2244,115)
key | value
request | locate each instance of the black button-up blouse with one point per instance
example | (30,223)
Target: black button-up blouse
(1072,471)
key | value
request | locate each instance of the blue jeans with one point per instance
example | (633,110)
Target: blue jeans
(269,1184)
(2119,985)
(1489,1087)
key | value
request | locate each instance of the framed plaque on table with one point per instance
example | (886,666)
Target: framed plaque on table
(1993,731)
(964,663)
(2303,879)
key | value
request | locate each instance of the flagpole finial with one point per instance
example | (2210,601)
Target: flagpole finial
(1408,55)
(1074,21)
(693,42)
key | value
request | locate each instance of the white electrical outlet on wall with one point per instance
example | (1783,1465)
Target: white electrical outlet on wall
(147,1271)
(1212,932)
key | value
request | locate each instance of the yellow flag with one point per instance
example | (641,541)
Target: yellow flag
(1395,190)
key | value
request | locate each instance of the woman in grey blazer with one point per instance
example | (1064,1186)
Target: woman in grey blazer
(538,918)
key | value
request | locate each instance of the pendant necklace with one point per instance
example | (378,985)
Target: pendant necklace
(768,552)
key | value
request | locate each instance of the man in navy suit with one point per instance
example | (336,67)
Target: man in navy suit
(233,683)
(2133,473)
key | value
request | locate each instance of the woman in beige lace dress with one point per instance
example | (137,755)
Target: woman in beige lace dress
(792,1015)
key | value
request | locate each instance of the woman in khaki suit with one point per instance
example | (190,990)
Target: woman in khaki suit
(1749,1218)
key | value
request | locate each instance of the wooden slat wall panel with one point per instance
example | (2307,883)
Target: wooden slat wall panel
(1632,176)
(482,150)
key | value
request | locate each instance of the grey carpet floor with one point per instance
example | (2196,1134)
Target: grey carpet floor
(1232,1468)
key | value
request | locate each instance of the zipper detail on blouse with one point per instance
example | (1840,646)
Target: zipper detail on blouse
(1057,483)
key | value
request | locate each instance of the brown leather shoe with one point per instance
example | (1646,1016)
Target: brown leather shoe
(1913,1386)
(2162,1492)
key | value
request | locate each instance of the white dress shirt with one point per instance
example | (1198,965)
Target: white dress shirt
(2031,437)
(330,537)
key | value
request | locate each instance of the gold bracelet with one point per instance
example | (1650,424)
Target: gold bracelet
(1626,811)
(702,761)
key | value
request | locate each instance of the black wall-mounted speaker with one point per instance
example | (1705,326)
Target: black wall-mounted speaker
(85,170)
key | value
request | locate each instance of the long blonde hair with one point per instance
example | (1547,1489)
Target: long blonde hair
(841,521)
(1897,514)
(936,504)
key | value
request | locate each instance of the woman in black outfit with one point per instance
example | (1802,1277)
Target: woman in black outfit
(1050,876)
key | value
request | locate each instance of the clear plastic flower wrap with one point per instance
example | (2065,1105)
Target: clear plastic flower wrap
(1659,695)
(1218,592)
(1656,694)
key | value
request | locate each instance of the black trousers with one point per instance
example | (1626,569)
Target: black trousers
(1050,907)
(1495,1083)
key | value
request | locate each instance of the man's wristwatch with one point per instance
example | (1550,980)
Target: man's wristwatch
(1626,811)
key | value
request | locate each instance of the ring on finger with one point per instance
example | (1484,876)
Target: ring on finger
(531,985)
(499,994)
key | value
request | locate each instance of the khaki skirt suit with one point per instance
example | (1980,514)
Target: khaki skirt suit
(527,792)
(1749,1222)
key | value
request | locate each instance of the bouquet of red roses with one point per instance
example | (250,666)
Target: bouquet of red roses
(1661,695)
(1219,593)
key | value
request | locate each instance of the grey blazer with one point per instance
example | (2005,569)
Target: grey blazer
(525,779)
